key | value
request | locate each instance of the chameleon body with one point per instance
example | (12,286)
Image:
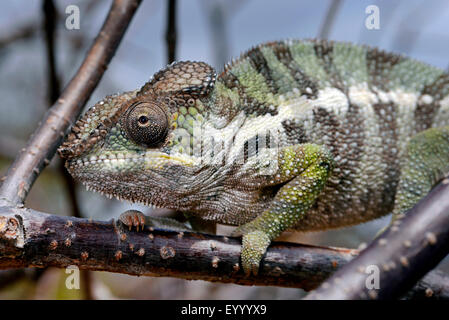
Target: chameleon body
(302,135)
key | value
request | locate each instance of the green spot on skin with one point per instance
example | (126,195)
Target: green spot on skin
(281,75)
(185,141)
(254,83)
(350,63)
(226,98)
(183,110)
(425,163)
(413,75)
(189,121)
(193,111)
(200,106)
(304,55)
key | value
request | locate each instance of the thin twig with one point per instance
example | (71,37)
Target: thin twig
(50,21)
(42,145)
(410,248)
(30,238)
(26,31)
(170,34)
(329,19)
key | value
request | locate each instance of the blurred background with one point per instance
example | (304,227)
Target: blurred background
(213,31)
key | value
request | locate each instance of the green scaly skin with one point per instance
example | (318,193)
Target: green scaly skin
(294,135)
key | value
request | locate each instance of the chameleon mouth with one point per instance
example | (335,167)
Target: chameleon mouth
(149,158)
(123,192)
(111,193)
(130,177)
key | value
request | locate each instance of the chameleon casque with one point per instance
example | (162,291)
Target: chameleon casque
(293,135)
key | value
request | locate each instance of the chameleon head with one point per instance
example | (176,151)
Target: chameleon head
(138,145)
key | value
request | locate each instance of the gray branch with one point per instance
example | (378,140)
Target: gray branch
(410,248)
(329,19)
(170,32)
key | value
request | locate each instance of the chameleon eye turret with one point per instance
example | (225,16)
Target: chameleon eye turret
(146,124)
(184,77)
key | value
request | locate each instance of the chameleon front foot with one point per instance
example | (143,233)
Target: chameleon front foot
(135,218)
(304,169)
(132,218)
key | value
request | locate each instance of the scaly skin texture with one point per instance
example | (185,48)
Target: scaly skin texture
(303,135)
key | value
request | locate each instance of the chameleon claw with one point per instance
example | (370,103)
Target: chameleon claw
(132,218)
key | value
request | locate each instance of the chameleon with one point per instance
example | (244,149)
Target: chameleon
(300,135)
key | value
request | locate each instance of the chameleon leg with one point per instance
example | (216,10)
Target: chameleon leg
(137,219)
(426,161)
(303,171)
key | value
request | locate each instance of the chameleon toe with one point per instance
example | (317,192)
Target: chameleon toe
(132,218)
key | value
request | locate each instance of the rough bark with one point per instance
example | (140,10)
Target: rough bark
(30,238)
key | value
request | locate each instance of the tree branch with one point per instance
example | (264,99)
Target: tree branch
(49,26)
(329,19)
(50,22)
(412,246)
(26,31)
(42,145)
(170,33)
(434,285)
(30,238)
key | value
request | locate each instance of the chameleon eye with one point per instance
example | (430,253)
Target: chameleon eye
(146,124)
(143,120)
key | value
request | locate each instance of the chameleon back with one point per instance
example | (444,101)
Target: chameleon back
(362,103)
